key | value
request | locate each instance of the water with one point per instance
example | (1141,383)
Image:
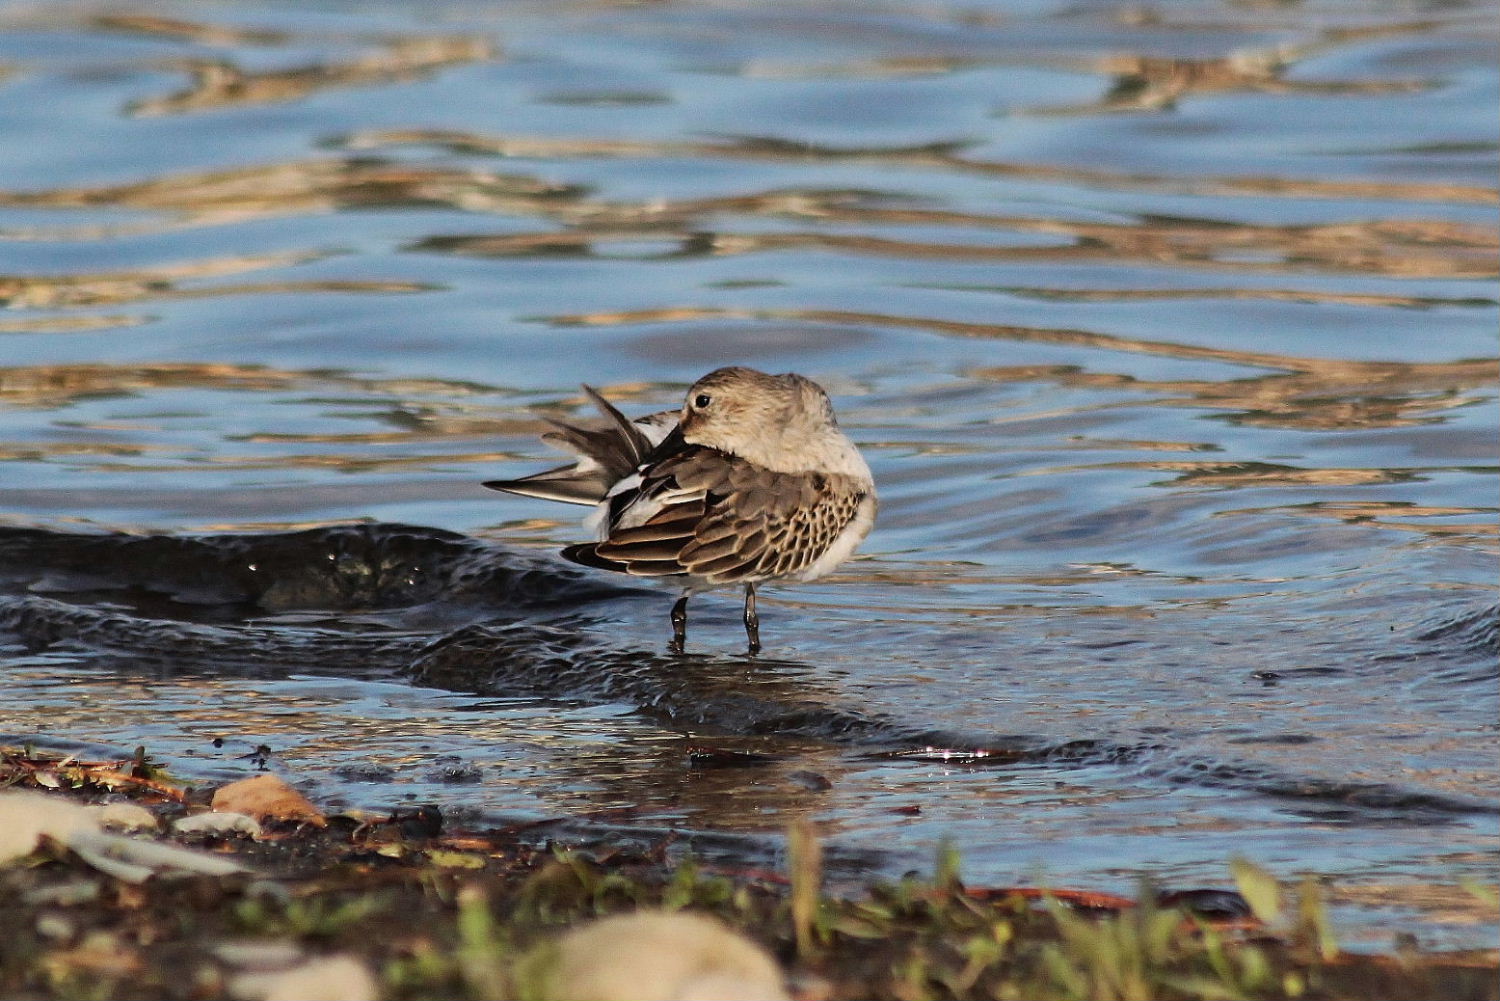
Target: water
(1168,330)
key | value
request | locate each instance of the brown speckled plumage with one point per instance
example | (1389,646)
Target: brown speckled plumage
(729,521)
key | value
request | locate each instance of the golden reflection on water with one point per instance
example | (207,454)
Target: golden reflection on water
(52,450)
(155,26)
(1401,516)
(1320,395)
(1406,249)
(70,324)
(53,386)
(295,188)
(1142,82)
(168,282)
(418,410)
(1245,474)
(344,463)
(1306,393)
(1300,392)
(1148,83)
(219,83)
(946,156)
(1217,292)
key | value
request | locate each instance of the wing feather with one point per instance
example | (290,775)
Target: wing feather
(632,437)
(608,451)
(569,484)
(692,510)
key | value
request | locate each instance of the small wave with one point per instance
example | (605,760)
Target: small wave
(346,567)
(526,632)
(1476,631)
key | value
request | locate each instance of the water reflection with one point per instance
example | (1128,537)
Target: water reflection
(942,156)
(221,84)
(205,33)
(174,282)
(1308,393)
(1455,524)
(1417,249)
(54,386)
(243,194)
(1405,248)
(1154,83)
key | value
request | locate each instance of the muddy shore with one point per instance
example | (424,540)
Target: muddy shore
(402,906)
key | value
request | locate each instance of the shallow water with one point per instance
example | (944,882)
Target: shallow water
(1169,332)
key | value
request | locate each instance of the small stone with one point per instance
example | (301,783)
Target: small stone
(26,816)
(333,978)
(659,956)
(55,927)
(266,797)
(68,894)
(258,954)
(218,824)
(125,816)
(811,781)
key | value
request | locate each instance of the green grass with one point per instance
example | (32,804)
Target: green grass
(476,916)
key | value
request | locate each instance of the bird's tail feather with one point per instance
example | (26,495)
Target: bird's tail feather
(606,453)
(564,484)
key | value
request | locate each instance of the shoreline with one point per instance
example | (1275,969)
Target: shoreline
(411,909)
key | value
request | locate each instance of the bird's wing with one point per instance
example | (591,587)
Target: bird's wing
(722,518)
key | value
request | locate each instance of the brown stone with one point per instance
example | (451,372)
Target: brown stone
(266,797)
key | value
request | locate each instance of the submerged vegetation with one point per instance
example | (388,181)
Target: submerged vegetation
(413,911)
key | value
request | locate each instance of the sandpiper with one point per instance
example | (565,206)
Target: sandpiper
(751,481)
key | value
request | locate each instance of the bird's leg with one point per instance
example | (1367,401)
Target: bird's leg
(679,625)
(752,620)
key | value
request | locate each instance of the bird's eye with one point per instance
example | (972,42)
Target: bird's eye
(702,400)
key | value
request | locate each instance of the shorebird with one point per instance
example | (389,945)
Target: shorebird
(750,481)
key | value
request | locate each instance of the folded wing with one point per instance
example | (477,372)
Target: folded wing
(718,517)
